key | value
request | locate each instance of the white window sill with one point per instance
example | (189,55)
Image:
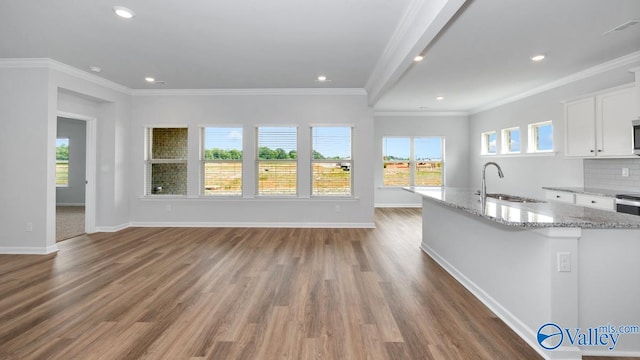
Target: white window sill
(516,155)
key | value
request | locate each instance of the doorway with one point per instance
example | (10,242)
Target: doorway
(75,175)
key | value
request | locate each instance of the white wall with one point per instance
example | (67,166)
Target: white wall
(526,175)
(248,111)
(76,132)
(24,160)
(456,133)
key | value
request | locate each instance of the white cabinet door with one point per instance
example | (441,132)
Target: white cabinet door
(561,196)
(580,127)
(613,123)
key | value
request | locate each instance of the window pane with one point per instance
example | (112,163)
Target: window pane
(332,178)
(491,143)
(277,143)
(428,157)
(331,143)
(62,162)
(396,174)
(223,178)
(544,137)
(168,143)
(168,179)
(514,140)
(396,148)
(277,177)
(222,143)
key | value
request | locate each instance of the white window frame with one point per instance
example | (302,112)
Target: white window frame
(343,163)
(149,161)
(506,140)
(258,161)
(412,160)
(485,143)
(204,162)
(533,139)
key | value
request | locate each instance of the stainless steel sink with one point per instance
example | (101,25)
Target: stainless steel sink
(512,198)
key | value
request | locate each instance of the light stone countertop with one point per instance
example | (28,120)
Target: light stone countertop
(528,215)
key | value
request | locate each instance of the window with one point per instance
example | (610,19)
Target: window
(62,162)
(488,143)
(541,137)
(511,140)
(331,163)
(414,161)
(222,161)
(277,160)
(166,161)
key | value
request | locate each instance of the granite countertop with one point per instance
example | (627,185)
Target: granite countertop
(528,215)
(591,191)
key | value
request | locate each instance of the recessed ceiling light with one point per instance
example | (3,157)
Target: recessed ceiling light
(150,79)
(322,78)
(124,12)
(439,98)
(423,107)
(537,58)
(95,69)
(418,58)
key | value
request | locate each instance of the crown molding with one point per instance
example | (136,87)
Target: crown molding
(255,92)
(46,63)
(592,71)
(420,24)
(420,113)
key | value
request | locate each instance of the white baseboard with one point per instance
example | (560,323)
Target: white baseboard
(252,224)
(418,205)
(70,204)
(608,353)
(28,250)
(112,228)
(521,329)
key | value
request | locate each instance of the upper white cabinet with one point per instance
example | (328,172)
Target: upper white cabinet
(637,73)
(600,125)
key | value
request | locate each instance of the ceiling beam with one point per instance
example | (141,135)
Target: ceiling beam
(419,26)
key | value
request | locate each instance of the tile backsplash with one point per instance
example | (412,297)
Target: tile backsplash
(607,174)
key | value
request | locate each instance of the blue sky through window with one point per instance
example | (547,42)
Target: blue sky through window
(545,137)
(332,141)
(424,148)
(225,138)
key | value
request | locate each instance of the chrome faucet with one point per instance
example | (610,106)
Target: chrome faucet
(483,191)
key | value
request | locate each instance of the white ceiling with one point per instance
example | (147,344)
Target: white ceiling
(480,57)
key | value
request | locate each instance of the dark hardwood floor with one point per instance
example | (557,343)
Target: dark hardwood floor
(242,293)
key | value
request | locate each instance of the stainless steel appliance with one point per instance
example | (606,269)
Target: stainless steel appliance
(636,136)
(628,204)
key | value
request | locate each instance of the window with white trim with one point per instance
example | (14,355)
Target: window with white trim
(62,162)
(511,140)
(331,162)
(541,137)
(166,161)
(277,160)
(221,161)
(488,141)
(413,161)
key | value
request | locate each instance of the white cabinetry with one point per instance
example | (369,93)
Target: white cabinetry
(600,125)
(586,200)
(637,89)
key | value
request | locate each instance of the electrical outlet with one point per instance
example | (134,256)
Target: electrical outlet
(564,262)
(625,171)
(29,227)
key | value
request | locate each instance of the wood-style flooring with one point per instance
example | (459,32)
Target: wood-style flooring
(244,293)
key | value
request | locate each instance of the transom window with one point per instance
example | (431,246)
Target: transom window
(413,161)
(511,140)
(277,160)
(331,162)
(488,142)
(222,161)
(541,137)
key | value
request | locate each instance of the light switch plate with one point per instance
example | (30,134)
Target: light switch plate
(564,262)
(625,171)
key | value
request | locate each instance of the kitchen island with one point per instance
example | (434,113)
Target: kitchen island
(536,263)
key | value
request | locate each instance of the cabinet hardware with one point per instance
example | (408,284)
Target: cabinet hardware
(593,201)
(591,150)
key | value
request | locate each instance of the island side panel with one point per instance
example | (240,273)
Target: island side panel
(507,268)
(609,285)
